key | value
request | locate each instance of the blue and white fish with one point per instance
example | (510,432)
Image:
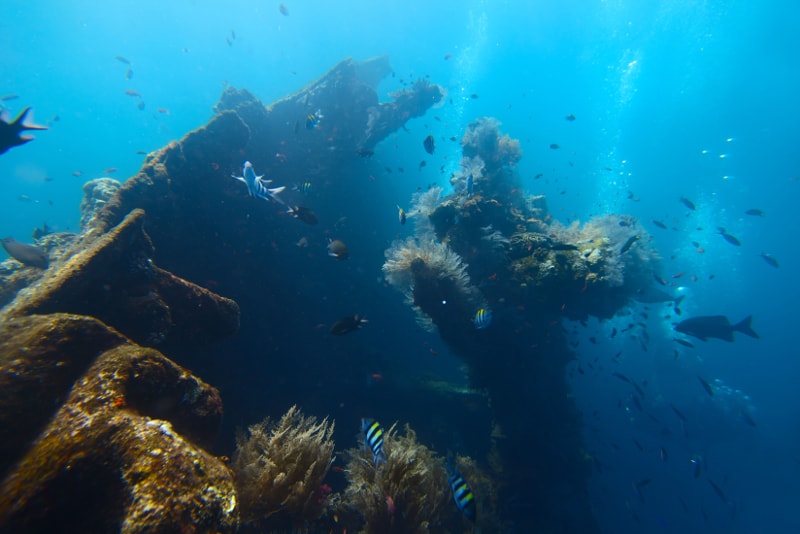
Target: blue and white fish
(373,438)
(470,185)
(462,492)
(483,318)
(256,185)
(312,121)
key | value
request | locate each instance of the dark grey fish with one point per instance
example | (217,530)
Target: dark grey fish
(698,463)
(660,224)
(718,491)
(304,214)
(430,144)
(728,237)
(688,203)
(716,326)
(747,418)
(678,413)
(682,342)
(706,386)
(770,260)
(24,253)
(347,324)
(629,243)
(755,212)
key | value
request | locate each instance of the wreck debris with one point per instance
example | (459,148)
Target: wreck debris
(125,450)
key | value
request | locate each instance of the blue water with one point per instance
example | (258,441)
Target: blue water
(671,98)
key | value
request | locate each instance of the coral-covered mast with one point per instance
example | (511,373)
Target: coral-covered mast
(488,247)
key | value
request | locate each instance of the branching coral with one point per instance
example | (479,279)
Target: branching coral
(280,468)
(407,493)
(483,139)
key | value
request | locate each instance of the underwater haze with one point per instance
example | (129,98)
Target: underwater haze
(682,114)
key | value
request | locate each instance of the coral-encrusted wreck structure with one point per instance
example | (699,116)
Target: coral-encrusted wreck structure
(102,430)
(489,247)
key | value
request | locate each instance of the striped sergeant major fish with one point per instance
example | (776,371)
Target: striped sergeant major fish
(482,319)
(256,185)
(373,438)
(462,493)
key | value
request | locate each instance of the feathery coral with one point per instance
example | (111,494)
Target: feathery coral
(412,477)
(280,468)
(399,266)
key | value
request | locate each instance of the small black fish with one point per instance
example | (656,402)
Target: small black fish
(129,74)
(747,418)
(629,243)
(25,254)
(770,260)
(678,413)
(421,164)
(755,212)
(570,117)
(430,144)
(660,224)
(683,342)
(718,491)
(122,60)
(347,324)
(304,214)
(554,146)
(474,96)
(706,386)
(365,152)
(688,203)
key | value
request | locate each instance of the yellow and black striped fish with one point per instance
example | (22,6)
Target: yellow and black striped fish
(462,493)
(373,438)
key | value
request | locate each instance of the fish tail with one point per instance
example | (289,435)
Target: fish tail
(744,327)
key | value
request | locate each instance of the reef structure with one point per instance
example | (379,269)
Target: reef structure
(489,247)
